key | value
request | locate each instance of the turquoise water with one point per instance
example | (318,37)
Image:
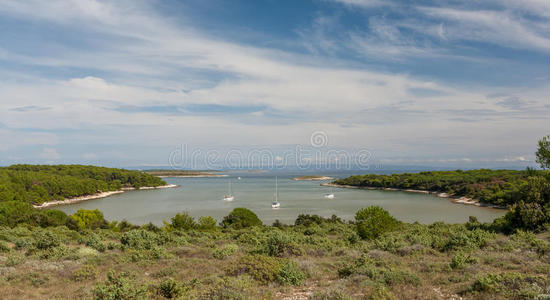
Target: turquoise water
(202,197)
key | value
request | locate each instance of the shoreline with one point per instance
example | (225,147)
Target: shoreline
(193,176)
(461,200)
(98,196)
(312,178)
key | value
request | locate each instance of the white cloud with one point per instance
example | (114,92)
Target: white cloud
(148,60)
(364,3)
(499,27)
(49,154)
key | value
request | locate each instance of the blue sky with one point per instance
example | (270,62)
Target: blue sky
(124,83)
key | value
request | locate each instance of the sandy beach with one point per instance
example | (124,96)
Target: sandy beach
(193,176)
(98,195)
(312,178)
(461,200)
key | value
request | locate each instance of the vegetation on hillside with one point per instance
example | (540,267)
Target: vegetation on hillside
(319,258)
(500,187)
(36,184)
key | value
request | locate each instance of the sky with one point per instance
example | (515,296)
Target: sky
(132,82)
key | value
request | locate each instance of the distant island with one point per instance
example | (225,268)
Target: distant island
(312,177)
(183,173)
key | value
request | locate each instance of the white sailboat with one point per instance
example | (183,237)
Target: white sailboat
(276,204)
(229,196)
(330,195)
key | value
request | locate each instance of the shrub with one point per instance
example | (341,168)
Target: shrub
(139,239)
(4,247)
(119,286)
(89,219)
(183,221)
(15,212)
(487,283)
(94,241)
(308,220)
(169,289)
(290,274)
(57,252)
(229,288)
(225,251)
(86,272)
(278,243)
(460,260)
(52,217)
(46,240)
(241,218)
(207,223)
(262,268)
(528,216)
(373,221)
(463,239)
(13,260)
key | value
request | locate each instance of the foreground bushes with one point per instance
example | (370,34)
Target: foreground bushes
(266,261)
(267,269)
(374,221)
(240,218)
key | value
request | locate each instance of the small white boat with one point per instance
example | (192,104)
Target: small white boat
(275,203)
(329,195)
(239,178)
(229,196)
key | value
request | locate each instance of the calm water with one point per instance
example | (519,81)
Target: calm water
(202,197)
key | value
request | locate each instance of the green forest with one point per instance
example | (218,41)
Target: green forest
(500,187)
(36,184)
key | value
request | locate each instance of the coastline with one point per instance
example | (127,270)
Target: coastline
(193,176)
(98,196)
(461,200)
(312,178)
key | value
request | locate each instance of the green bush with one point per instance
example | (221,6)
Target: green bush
(240,218)
(89,219)
(119,286)
(139,239)
(262,268)
(487,283)
(183,221)
(278,243)
(4,247)
(374,221)
(85,272)
(95,242)
(225,251)
(461,260)
(46,240)
(169,289)
(290,274)
(207,223)
(15,212)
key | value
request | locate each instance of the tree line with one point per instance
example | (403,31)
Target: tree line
(37,184)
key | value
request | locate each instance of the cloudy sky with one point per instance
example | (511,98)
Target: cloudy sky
(124,83)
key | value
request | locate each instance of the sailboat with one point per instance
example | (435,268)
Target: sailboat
(330,195)
(229,196)
(276,204)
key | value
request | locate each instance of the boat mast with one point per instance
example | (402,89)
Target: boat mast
(276,191)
